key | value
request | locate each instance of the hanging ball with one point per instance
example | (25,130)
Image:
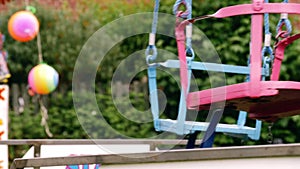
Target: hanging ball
(43,79)
(23,26)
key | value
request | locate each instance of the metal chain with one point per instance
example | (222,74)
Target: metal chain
(270,134)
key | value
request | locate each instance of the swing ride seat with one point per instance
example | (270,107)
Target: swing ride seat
(180,125)
(187,127)
(264,100)
(276,99)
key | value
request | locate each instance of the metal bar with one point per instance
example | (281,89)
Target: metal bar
(88,141)
(211,67)
(243,9)
(283,150)
(169,125)
(255,55)
(247,9)
(153,94)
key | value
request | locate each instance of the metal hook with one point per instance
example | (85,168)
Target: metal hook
(151,53)
(187,6)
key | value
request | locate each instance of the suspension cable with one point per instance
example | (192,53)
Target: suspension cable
(267,51)
(151,51)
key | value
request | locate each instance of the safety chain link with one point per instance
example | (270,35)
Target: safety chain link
(270,134)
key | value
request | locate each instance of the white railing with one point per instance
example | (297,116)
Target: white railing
(241,152)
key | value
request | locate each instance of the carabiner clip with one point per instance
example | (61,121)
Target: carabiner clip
(151,54)
(189,52)
(287,24)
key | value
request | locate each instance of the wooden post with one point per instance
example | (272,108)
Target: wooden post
(37,152)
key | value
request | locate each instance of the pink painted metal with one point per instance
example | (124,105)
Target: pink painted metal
(257,5)
(279,54)
(255,55)
(248,9)
(264,100)
(180,38)
(272,93)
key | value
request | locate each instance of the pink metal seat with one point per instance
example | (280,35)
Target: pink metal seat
(277,99)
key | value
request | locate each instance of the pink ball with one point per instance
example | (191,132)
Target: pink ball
(23,26)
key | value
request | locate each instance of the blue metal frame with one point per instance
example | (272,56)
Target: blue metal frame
(181,126)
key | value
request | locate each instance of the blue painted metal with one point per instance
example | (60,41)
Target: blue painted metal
(180,126)
(153,96)
(242,118)
(181,117)
(192,126)
(211,67)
